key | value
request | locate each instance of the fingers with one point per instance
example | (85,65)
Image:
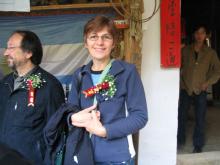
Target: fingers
(89,109)
(79,124)
(94,115)
(88,115)
(98,114)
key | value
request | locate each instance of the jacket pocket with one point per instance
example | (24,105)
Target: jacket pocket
(27,117)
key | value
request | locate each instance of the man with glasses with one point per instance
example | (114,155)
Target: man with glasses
(30,95)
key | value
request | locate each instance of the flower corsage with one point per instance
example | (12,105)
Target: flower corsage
(31,83)
(107,88)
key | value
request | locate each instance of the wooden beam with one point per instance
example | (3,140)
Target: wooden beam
(132,39)
(74,6)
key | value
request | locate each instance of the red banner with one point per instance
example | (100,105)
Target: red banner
(170,33)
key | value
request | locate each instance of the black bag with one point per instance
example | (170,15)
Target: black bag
(67,146)
(61,149)
(78,148)
(73,148)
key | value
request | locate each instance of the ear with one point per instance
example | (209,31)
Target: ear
(28,55)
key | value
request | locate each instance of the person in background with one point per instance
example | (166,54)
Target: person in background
(200,69)
(30,95)
(112,97)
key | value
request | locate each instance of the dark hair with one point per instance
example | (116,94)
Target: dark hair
(31,43)
(201,25)
(98,23)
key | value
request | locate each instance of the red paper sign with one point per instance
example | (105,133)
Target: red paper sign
(170,33)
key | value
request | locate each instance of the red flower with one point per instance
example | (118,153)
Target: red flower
(31,83)
(95,89)
(107,88)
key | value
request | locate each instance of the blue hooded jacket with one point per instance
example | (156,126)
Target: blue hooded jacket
(129,97)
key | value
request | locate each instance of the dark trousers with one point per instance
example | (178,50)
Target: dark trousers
(200,104)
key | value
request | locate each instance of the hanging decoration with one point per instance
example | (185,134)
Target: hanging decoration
(170,33)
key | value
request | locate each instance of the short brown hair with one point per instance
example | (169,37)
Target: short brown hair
(98,23)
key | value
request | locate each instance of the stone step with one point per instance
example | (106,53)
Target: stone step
(204,158)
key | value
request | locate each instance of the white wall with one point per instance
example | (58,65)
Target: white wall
(157,143)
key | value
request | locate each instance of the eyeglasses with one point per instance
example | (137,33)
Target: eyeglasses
(105,37)
(12,47)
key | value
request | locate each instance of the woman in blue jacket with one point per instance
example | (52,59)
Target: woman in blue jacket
(112,97)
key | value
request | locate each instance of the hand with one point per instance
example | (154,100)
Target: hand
(94,126)
(84,115)
(204,86)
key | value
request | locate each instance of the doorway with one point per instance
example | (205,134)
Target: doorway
(193,13)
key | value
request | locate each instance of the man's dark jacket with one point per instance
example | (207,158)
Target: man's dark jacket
(78,150)
(21,126)
(11,157)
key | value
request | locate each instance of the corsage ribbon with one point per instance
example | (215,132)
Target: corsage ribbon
(31,93)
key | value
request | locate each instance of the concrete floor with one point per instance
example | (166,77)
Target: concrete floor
(211,150)
(204,158)
(212,131)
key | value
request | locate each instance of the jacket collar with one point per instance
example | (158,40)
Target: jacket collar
(117,68)
(9,81)
(203,49)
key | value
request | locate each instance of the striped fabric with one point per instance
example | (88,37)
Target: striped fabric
(61,36)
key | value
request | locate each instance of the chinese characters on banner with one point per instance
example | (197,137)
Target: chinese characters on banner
(170,33)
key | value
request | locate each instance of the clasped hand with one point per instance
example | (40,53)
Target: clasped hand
(89,118)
